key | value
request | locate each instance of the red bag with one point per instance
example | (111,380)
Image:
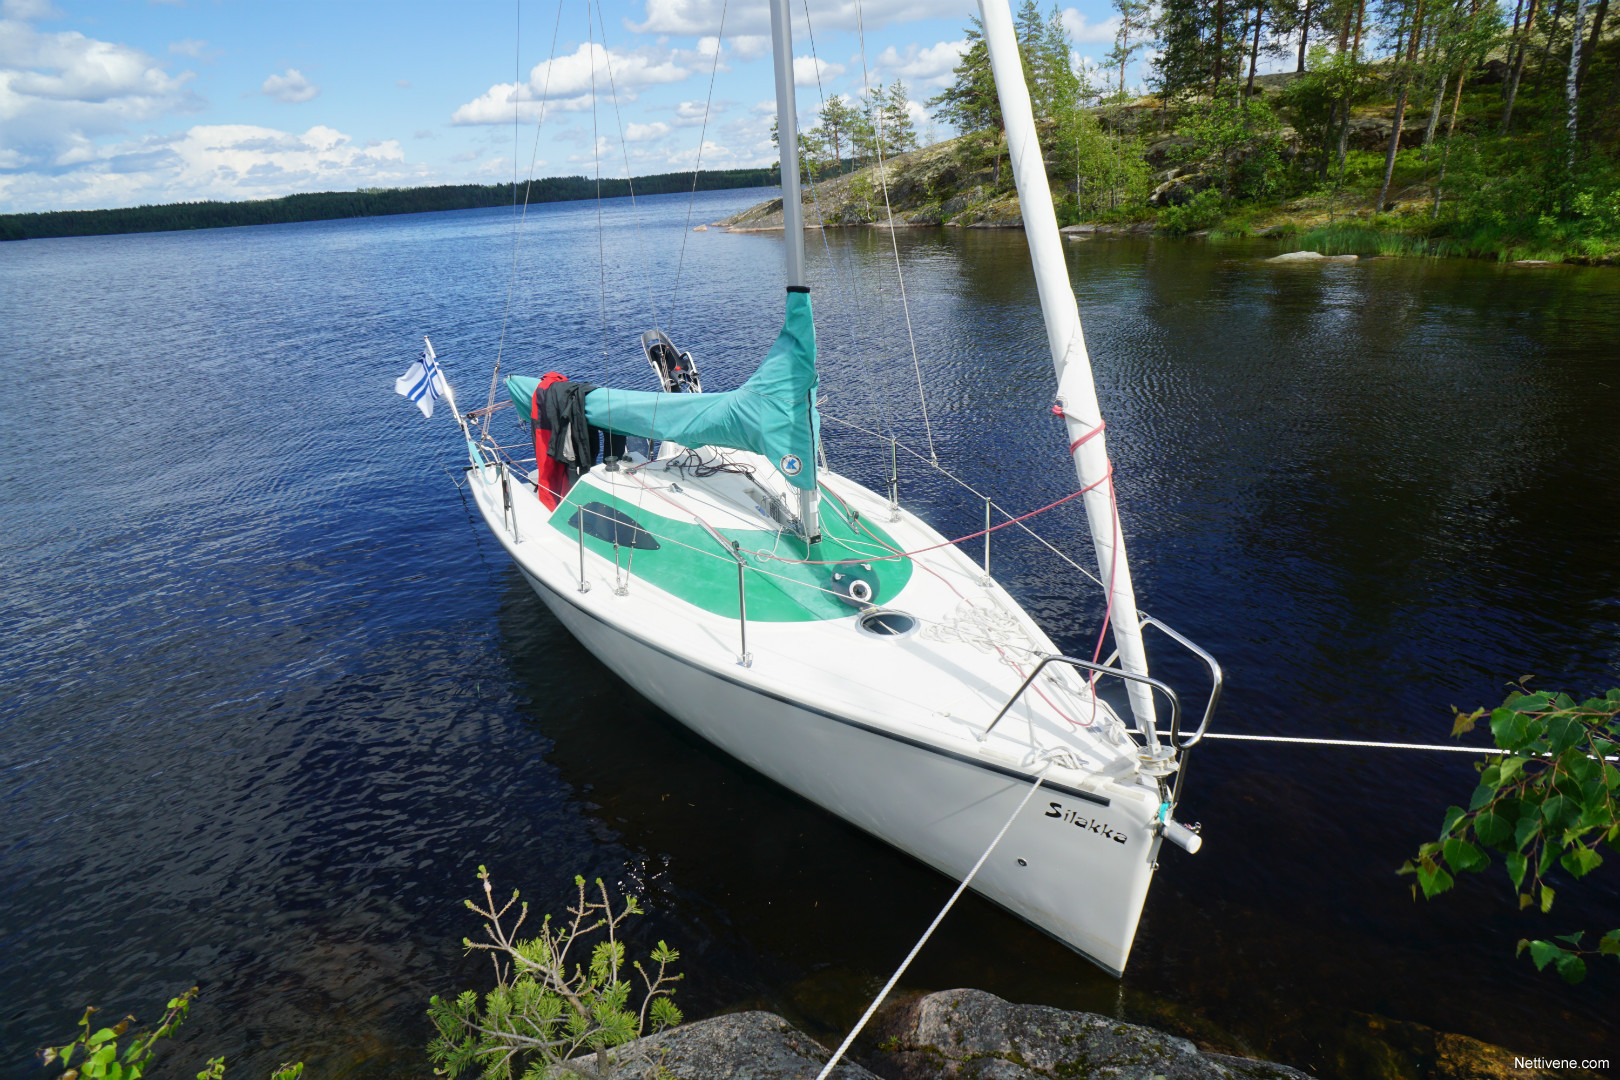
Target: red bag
(552,474)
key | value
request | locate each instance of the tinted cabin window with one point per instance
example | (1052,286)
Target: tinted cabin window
(615,526)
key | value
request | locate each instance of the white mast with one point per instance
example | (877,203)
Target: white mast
(1077,394)
(787,137)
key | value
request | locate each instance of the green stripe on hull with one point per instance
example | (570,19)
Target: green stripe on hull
(689,564)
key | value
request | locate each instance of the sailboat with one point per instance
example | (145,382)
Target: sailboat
(823,634)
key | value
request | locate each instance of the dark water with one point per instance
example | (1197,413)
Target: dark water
(271,696)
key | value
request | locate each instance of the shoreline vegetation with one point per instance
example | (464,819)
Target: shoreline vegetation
(1405,127)
(366,202)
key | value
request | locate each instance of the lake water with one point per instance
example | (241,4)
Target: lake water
(271,693)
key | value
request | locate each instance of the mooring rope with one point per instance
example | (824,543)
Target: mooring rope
(838,1054)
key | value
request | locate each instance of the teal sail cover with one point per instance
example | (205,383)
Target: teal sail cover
(773,413)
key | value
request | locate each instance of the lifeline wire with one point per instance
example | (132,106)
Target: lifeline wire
(1361,742)
(915,949)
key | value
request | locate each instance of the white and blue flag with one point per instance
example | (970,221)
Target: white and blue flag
(424,382)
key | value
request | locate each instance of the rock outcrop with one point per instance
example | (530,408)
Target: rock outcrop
(734,1046)
(974,1035)
(945,184)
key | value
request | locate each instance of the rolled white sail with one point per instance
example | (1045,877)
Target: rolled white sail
(1077,394)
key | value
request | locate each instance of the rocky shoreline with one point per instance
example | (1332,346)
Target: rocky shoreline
(950,185)
(974,1035)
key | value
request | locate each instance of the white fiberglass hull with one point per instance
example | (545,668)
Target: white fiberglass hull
(1076,864)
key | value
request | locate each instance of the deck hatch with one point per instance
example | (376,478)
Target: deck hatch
(614,526)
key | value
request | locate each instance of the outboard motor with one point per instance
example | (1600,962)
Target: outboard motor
(676,370)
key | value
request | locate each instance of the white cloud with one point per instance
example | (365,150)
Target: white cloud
(222,161)
(566,84)
(465,156)
(29,9)
(598,157)
(1085,32)
(923,67)
(290,88)
(190,47)
(691,113)
(696,17)
(808,71)
(403,84)
(750,46)
(646,132)
(60,91)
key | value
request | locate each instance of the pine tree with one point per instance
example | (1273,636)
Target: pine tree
(969,103)
(899,133)
(1030,30)
(1184,62)
(837,122)
(1128,40)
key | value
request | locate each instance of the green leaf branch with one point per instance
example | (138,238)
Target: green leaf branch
(562,1002)
(1549,799)
(97,1051)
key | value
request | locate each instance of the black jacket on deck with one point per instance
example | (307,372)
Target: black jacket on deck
(573,440)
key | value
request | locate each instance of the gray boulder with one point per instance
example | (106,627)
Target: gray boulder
(973,1035)
(1168,150)
(1311,256)
(736,1046)
(1179,189)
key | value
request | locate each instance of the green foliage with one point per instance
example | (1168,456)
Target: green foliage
(1318,100)
(97,1051)
(1239,145)
(1203,211)
(562,1003)
(882,124)
(1550,799)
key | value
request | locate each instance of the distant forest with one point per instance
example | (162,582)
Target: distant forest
(367,202)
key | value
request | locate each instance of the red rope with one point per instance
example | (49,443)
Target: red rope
(1098,430)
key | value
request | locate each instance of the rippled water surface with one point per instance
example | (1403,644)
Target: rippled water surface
(271,694)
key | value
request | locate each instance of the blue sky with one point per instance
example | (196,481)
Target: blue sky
(122,102)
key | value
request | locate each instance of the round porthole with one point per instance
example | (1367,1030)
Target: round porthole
(881,623)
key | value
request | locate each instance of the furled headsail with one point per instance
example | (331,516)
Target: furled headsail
(772,414)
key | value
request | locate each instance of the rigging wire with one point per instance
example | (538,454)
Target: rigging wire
(943,471)
(851,295)
(517,228)
(641,248)
(517,77)
(601,252)
(697,163)
(894,241)
(624,149)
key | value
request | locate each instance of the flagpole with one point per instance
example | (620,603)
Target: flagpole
(449,391)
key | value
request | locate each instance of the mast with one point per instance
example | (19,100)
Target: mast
(1077,394)
(787,137)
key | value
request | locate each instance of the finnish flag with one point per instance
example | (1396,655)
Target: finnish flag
(424,382)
